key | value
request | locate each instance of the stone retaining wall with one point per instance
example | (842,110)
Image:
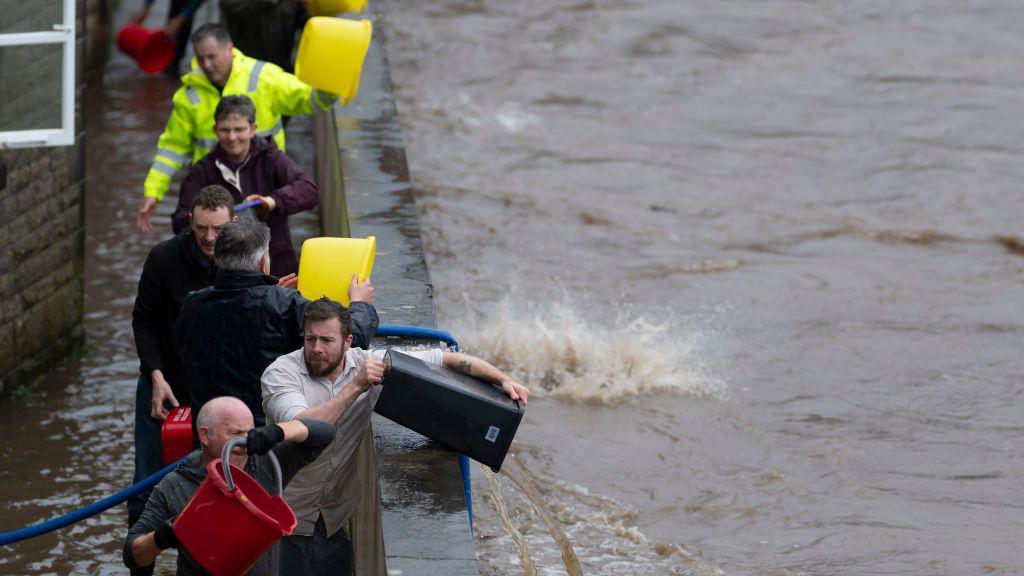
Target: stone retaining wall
(41,212)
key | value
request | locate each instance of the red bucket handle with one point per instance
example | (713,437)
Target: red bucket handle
(225,464)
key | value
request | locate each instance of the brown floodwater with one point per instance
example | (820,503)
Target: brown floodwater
(760,259)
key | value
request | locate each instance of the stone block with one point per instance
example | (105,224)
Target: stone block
(42,263)
(42,324)
(10,308)
(8,359)
(19,173)
(59,170)
(6,257)
(30,231)
(48,284)
(7,288)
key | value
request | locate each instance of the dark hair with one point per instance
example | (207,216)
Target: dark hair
(212,197)
(241,245)
(324,309)
(211,30)
(236,104)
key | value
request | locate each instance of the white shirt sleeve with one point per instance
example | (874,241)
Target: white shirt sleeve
(433,356)
(283,398)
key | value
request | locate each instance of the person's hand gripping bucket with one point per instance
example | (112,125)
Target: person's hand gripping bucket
(231,520)
(331,55)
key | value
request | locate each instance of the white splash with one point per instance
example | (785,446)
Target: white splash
(513,119)
(556,352)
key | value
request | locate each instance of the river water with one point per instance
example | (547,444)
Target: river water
(760,260)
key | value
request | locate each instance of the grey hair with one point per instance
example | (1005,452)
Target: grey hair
(241,245)
(211,30)
(212,412)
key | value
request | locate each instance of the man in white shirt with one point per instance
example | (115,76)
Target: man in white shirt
(325,380)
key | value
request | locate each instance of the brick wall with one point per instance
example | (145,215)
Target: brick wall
(41,225)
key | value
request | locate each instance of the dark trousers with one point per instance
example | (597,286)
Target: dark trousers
(149,458)
(148,452)
(181,38)
(317,555)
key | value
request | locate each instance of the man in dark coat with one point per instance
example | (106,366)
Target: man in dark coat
(173,268)
(229,333)
(295,443)
(251,168)
(265,29)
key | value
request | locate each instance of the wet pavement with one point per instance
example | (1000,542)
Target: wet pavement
(69,442)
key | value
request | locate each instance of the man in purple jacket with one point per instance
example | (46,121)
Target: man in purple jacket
(251,168)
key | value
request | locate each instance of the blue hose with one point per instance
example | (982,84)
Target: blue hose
(467,486)
(83,513)
(446,337)
(418,332)
(147,483)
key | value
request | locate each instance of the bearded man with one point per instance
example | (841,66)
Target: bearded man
(227,334)
(329,380)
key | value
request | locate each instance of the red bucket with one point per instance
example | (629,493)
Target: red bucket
(231,520)
(152,49)
(176,434)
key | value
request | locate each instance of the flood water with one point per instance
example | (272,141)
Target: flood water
(761,259)
(756,258)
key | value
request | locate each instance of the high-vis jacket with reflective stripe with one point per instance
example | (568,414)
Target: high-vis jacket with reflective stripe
(189,133)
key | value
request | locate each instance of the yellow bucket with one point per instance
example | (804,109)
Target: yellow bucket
(328,263)
(334,7)
(331,54)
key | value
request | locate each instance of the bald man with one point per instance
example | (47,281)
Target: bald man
(296,443)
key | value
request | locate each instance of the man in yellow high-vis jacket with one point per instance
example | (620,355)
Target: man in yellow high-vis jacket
(219,69)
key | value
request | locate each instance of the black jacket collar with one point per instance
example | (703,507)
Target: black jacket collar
(235,280)
(195,259)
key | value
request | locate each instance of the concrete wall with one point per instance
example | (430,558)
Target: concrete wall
(424,520)
(41,210)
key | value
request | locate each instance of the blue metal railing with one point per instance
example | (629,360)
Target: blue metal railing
(113,500)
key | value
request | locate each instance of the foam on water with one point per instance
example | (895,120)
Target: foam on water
(556,351)
(602,532)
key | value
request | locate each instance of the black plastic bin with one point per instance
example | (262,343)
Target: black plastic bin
(472,417)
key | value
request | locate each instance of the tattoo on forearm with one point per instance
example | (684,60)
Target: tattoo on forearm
(464,366)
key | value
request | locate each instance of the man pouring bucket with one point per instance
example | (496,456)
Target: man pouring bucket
(262,453)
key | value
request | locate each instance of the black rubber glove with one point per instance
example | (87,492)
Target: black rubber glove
(164,536)
(261,440)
